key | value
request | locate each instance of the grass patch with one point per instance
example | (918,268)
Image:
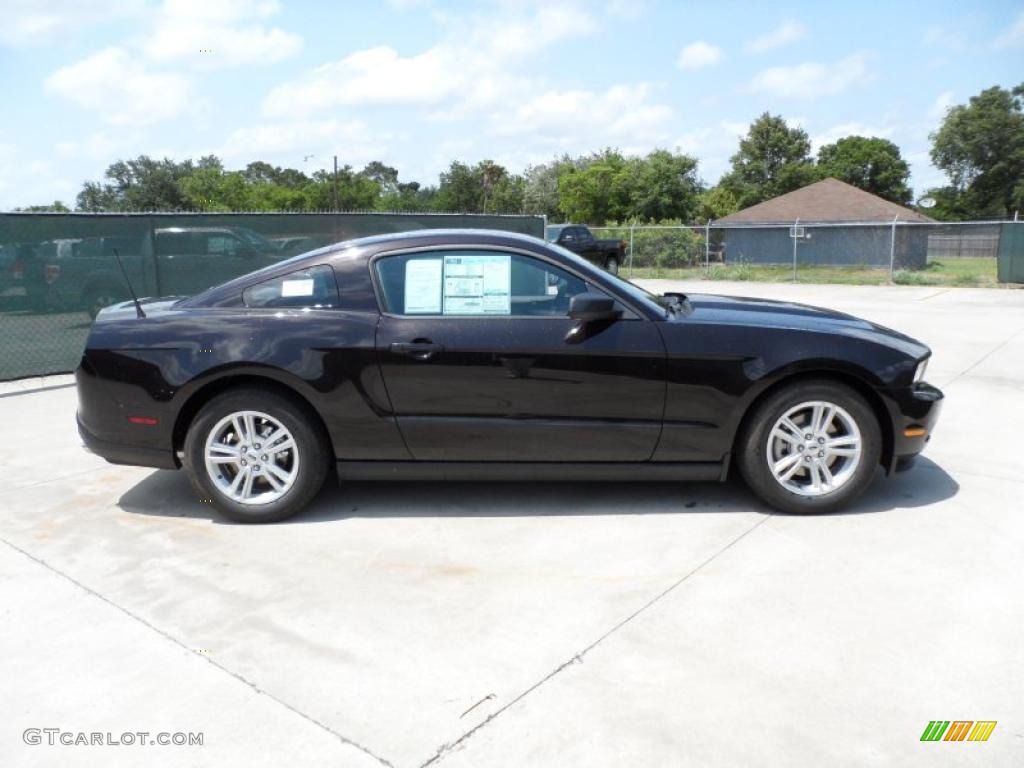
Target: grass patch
(963,271)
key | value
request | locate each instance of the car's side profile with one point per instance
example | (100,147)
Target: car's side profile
(466,354)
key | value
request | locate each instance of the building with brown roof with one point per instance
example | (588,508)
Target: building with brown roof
(828,200)
(764,233)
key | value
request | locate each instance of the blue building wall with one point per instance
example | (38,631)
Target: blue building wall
(828,246)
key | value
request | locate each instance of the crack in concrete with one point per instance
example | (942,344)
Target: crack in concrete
(447,747)
(985,357)
(207,659)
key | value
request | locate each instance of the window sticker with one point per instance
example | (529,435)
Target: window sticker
(303,287)
(478,285)
(423,286)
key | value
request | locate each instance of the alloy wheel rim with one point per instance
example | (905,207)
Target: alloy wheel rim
(251,458)
(814,448)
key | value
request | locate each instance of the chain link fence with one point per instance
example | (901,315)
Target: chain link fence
(961,253)
(58,270)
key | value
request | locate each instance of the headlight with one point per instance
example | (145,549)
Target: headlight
(921,368)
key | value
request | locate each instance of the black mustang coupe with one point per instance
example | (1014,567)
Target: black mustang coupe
(469,355)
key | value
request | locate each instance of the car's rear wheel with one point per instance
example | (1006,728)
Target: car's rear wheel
(810,447)
(257,456)
(611,264)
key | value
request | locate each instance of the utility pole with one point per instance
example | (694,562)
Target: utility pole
(335,183)
(796,228)
(892,248)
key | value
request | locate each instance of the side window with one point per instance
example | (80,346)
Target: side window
(221,245)
(314,288)
(568,235)
(475,283)
(584,236)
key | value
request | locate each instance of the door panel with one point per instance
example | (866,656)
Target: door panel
(482,363)
(522,389)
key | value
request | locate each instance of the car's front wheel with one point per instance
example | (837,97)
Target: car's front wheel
(257,456)
(810,447)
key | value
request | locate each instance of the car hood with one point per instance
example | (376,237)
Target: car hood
(767,313)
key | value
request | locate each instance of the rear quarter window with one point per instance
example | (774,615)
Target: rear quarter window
(313,288)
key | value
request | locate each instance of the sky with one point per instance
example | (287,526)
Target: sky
(418,83)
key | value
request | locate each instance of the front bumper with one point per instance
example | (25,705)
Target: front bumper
(914,411)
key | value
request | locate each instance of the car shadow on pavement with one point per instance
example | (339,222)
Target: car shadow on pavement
(166,493)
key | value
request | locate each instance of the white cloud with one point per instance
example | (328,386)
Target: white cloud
(788,32)
(25,23)
(309,144)
(698,54)
(713,145)
(375,76)
(842,130)
(300,135)
(812,79)
(1012,37)
(99,145)
(209,34)
(626,9)
(118,82)
(120,88)
(941,105)
(622,112)
(518,36)
(473,66)
(941,37)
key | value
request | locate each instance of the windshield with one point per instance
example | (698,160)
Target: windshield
(252,237)
(553,233)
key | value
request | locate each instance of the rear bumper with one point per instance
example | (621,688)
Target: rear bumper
(915,409)
(119,453)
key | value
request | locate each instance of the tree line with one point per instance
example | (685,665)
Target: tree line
(979,146)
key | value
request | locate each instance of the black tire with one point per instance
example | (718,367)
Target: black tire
(611,264)
(310,445)
(752,449)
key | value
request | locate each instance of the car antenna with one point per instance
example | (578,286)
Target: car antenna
(138,306)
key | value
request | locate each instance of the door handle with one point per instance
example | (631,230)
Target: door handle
(418,350)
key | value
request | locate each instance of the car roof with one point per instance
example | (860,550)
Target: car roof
(366,247)
(443,235)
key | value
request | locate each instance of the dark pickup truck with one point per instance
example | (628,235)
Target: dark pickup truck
(609,254)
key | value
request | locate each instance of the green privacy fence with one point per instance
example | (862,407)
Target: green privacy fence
(58,270)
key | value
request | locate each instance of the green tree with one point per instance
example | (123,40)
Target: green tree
(260,172)
(540,193)
(408,196)
(662,185)
(980,146)
(592,194)
(460,189)
(142,184)
(873,164)
(385,176)
(715,203)
(486,187)
(772,159)
(55,207)
(355,191)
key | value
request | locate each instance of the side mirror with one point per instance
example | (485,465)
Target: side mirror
(593,306)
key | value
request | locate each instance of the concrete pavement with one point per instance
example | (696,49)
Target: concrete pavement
(512,624)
